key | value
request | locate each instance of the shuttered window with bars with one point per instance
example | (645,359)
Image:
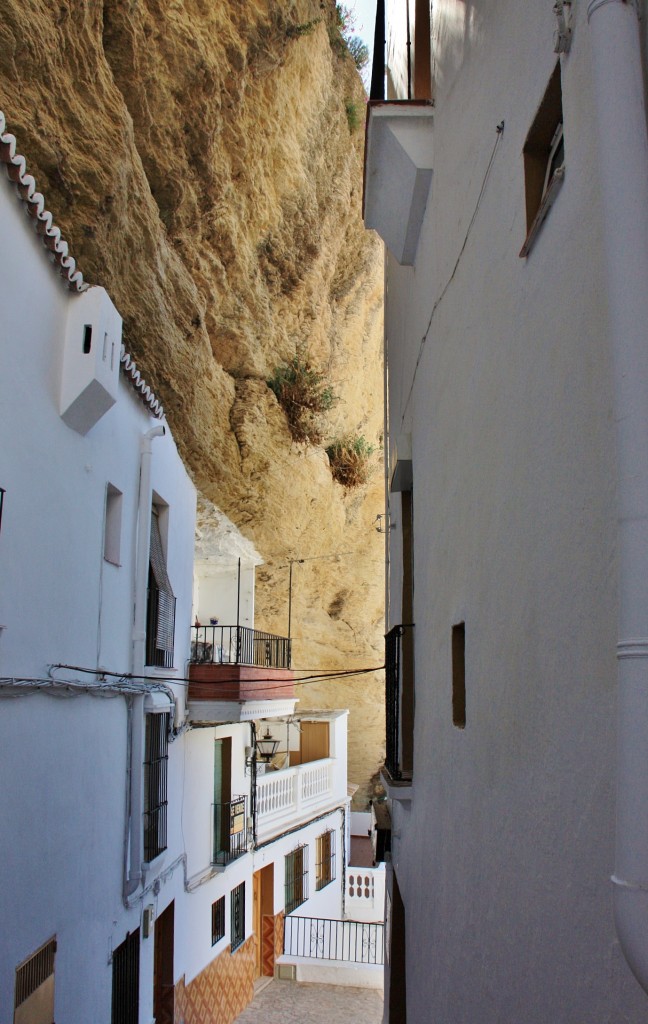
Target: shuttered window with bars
(296,878)
(34,992)
(155,785)
(160,614)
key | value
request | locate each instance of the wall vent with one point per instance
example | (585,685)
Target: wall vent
(91,359)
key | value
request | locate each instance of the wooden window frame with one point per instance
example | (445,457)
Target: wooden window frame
(325,859)
(543,176)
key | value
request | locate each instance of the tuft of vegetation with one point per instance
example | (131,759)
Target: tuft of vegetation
(353,115)
(305,29)
(359,52)
(343,40)
(350,459)
(304,395)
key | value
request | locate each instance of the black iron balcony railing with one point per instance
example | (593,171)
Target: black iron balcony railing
(238,645)
(230,830)
(398,702)
(377,88)
(354,942)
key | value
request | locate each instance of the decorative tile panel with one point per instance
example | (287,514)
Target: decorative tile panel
(222,991)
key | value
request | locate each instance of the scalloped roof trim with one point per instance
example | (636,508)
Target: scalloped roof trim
(34,201)
(58,250)
(140,385)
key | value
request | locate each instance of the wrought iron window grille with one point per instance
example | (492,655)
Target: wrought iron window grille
(155,785)
(237,915)
(218,920)
(296,878)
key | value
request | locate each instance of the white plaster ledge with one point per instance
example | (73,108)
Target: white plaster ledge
(398,173)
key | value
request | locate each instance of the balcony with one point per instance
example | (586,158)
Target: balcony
(235,664)
(365,893)
(398,143)
(286,798)
(229,830)
(399,704)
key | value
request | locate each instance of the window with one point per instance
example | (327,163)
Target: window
(112,524)
(325,859)
(125,980)
(155,785)
(34,991)
(237,915)
(218,920)
(459,675)
(544,159)
(296,878)
(160,613)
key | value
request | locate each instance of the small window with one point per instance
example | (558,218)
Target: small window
(296,878)
(459,675)
(218,920)
(544,159)
(34,991)
(155,785)
(325,859)
(112,526)
(237,913)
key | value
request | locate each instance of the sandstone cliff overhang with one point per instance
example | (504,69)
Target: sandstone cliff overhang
(398,172)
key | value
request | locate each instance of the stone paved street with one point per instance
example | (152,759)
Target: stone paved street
(286,1002)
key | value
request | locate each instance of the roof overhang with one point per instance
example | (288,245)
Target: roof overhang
(398,172)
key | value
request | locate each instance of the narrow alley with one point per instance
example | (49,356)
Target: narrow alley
(287,1002)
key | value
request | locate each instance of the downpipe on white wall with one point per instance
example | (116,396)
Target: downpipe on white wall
(623,155)
(133,873)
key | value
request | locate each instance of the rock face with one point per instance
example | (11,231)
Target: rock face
(204,161)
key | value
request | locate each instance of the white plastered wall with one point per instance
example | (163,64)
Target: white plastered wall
(504,855)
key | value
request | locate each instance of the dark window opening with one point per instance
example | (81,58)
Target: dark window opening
(87,338)
(155,785)
(218,920)
(459,675)
(237,909)
(544,159)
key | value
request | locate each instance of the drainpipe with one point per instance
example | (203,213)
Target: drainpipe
(623,156)
(134,875)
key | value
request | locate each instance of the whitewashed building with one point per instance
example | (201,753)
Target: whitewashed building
(163,805)
(507,172)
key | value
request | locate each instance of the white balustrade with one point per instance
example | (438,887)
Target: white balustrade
(286,797)
(365,893)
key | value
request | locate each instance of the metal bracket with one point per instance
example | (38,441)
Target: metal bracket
(563,33)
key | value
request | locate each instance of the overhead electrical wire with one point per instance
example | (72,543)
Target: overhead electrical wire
(314,676)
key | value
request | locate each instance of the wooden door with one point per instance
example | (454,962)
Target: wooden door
(163,988)
(314,741)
